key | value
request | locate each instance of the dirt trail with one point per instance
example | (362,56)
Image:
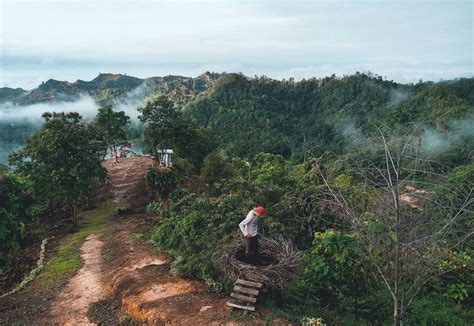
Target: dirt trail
(125,183)
(128,268)
(140,277)
(70,306)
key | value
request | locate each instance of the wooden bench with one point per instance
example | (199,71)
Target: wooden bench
(244,295)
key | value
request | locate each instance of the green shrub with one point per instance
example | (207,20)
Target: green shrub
(437,309)
(153,208)
(15,213)
(194,229)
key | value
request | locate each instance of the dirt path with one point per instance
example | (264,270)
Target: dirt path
(126,271)
(139,276)
(71,304)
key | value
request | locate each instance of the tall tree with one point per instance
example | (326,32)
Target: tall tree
(15,212)
(110,127)
(61,160)
(168,128)
(162,119)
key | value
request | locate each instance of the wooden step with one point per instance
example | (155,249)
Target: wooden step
(245,290)
(249,284)
(234,305)
(243,297)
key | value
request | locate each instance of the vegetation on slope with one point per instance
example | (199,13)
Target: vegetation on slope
(315,154)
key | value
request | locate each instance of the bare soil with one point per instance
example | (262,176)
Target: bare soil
(71,304)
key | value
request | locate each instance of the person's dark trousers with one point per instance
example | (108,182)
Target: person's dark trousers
(251,249)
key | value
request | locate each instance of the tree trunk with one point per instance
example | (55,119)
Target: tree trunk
(73,216)
(395,312)
(356,297)
(165,202)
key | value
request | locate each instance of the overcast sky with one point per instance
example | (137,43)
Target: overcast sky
(69,40)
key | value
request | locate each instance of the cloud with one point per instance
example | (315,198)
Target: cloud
(276,38)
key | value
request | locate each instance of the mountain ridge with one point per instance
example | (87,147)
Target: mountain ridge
(108,86)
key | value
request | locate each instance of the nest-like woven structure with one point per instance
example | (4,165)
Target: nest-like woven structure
(286,259)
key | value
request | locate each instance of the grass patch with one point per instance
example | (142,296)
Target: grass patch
(107,254)
(136,235)
(67,259)
(106,236)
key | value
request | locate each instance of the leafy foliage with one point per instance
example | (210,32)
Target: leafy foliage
(15,213)
(61,161)
(162,181)
(110,126)
(166,127)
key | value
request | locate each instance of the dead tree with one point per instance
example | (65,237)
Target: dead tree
(404,243)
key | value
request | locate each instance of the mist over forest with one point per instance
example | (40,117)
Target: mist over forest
(358,100)
(350,169)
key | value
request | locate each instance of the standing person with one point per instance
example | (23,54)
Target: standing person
(249,228)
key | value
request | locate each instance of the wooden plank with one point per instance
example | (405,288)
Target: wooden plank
(245,290)
(249,284)
(234,305)
(243,297)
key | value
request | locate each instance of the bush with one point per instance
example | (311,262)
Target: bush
(162,182)
(15,212)
(195,228)
(153,208)
(437,309)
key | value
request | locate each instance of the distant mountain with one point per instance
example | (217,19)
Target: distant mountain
(106,88)
(10,94)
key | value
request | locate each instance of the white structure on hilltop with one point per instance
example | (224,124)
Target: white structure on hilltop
(164,157)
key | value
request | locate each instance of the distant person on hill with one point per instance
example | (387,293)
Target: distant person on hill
(115,156)
(249,228)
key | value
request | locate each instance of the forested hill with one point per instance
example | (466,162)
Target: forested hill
(108,87)
(310,117)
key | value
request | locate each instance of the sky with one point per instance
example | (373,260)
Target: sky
(404,40)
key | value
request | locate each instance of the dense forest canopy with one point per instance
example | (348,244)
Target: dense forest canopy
(312,116)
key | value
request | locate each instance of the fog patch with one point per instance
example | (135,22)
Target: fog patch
(353,134)
(397,96)
(433,141)
(84,105)
(132,101)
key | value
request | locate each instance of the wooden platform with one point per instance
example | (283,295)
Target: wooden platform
(244,295)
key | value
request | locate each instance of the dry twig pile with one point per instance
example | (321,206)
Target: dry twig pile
(286,259)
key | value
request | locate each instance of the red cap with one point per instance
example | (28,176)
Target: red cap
(259,210)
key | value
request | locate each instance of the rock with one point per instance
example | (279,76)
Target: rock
(204,309)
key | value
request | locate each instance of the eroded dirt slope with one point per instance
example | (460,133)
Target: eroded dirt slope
(125,183)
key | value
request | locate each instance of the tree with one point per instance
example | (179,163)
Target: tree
(110,127)
(61,160)
(269,170)
(215,170)
(15,212)
(163,182)
(407,244)
(168,128)
(162,119)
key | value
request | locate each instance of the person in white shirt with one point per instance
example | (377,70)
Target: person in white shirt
(249,228)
